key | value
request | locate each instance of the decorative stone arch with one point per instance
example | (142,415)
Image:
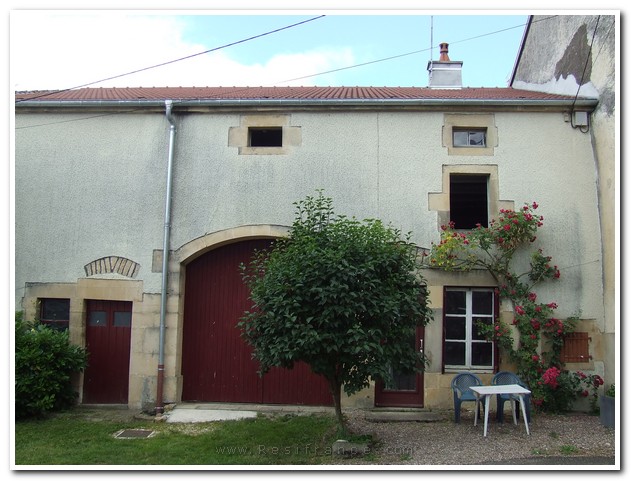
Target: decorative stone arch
(112,264)
(195,248)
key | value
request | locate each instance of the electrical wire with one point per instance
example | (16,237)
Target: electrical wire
(175,60)
(236,90)
(580,84)
(404,54)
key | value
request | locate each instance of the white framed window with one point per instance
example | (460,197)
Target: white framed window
(464,346)
(470,134)
(469,137)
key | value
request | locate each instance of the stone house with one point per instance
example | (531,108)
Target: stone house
(135,206)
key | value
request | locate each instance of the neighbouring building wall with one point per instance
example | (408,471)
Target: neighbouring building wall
(578,54)
(87,190)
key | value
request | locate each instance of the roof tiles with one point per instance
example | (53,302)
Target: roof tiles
(285,93)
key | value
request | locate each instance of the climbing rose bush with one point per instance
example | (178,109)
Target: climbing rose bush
(536,351)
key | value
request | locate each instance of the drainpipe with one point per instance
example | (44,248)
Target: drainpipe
(165,259)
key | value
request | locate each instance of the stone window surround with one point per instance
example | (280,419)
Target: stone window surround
(238,136)
(474,122)
(439,201)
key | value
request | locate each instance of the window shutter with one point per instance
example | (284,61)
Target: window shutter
(575,347)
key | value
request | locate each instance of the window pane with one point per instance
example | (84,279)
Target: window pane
(98,319)
(482,354)
(454,353)
(455,302)
(57,325)
(403,381)
(55,309)
(482,302)
(477,320)
(455,328)
(122,319)
(477,139)
(461,138)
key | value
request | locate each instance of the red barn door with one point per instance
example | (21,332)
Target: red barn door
(217,363)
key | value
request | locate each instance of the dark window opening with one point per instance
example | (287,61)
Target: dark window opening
(468,201)
(469,137)
(265,136)
(55,313)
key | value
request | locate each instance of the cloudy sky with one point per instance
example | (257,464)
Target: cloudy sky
(58,49)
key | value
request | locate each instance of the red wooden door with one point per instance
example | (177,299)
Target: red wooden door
(108,336)
(408,388)
(217,364)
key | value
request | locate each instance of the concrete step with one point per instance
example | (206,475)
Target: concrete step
(403,416)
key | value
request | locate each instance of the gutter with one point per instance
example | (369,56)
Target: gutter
(586,103)
(165,259)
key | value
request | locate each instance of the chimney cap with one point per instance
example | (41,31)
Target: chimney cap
(444,52)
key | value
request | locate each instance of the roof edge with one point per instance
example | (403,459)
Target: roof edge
(288,103)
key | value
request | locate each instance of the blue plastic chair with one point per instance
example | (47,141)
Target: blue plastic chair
(461,384)
(506,377)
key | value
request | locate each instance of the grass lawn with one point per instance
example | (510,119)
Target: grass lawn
(71,439)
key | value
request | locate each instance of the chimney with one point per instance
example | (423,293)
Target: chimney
(444,73)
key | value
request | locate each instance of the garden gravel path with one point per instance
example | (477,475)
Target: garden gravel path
(553,437)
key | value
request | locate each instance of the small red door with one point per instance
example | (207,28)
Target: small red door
(408,388)
(108,337)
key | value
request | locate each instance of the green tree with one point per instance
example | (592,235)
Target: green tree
(44,364)
(341,295)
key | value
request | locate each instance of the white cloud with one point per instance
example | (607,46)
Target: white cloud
(56,50)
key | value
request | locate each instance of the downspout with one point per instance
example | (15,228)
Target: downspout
(165,259)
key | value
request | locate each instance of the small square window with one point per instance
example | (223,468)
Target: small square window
(469,137)
(122,319)
(265,137)
(55,313)
(468,200)
(97,319)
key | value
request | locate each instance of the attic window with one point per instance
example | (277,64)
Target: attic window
(469,137)
(265,137)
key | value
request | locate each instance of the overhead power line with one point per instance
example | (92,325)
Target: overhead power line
(176,60)
(405,54)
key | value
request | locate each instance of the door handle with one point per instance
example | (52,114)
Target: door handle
(421,345)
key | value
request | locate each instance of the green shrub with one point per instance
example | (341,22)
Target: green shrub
(44,363)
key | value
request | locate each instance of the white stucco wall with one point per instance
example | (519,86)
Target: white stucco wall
(557,51)
(94,188)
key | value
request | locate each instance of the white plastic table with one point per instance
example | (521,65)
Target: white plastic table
(515,390)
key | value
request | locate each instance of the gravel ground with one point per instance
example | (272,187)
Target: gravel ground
(554,439)
(571,439)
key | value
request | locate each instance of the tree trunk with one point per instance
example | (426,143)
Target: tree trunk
(335,386)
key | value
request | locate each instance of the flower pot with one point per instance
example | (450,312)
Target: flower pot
(608,411)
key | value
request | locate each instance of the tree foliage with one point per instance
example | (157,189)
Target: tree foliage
(341,295)
(44,363)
